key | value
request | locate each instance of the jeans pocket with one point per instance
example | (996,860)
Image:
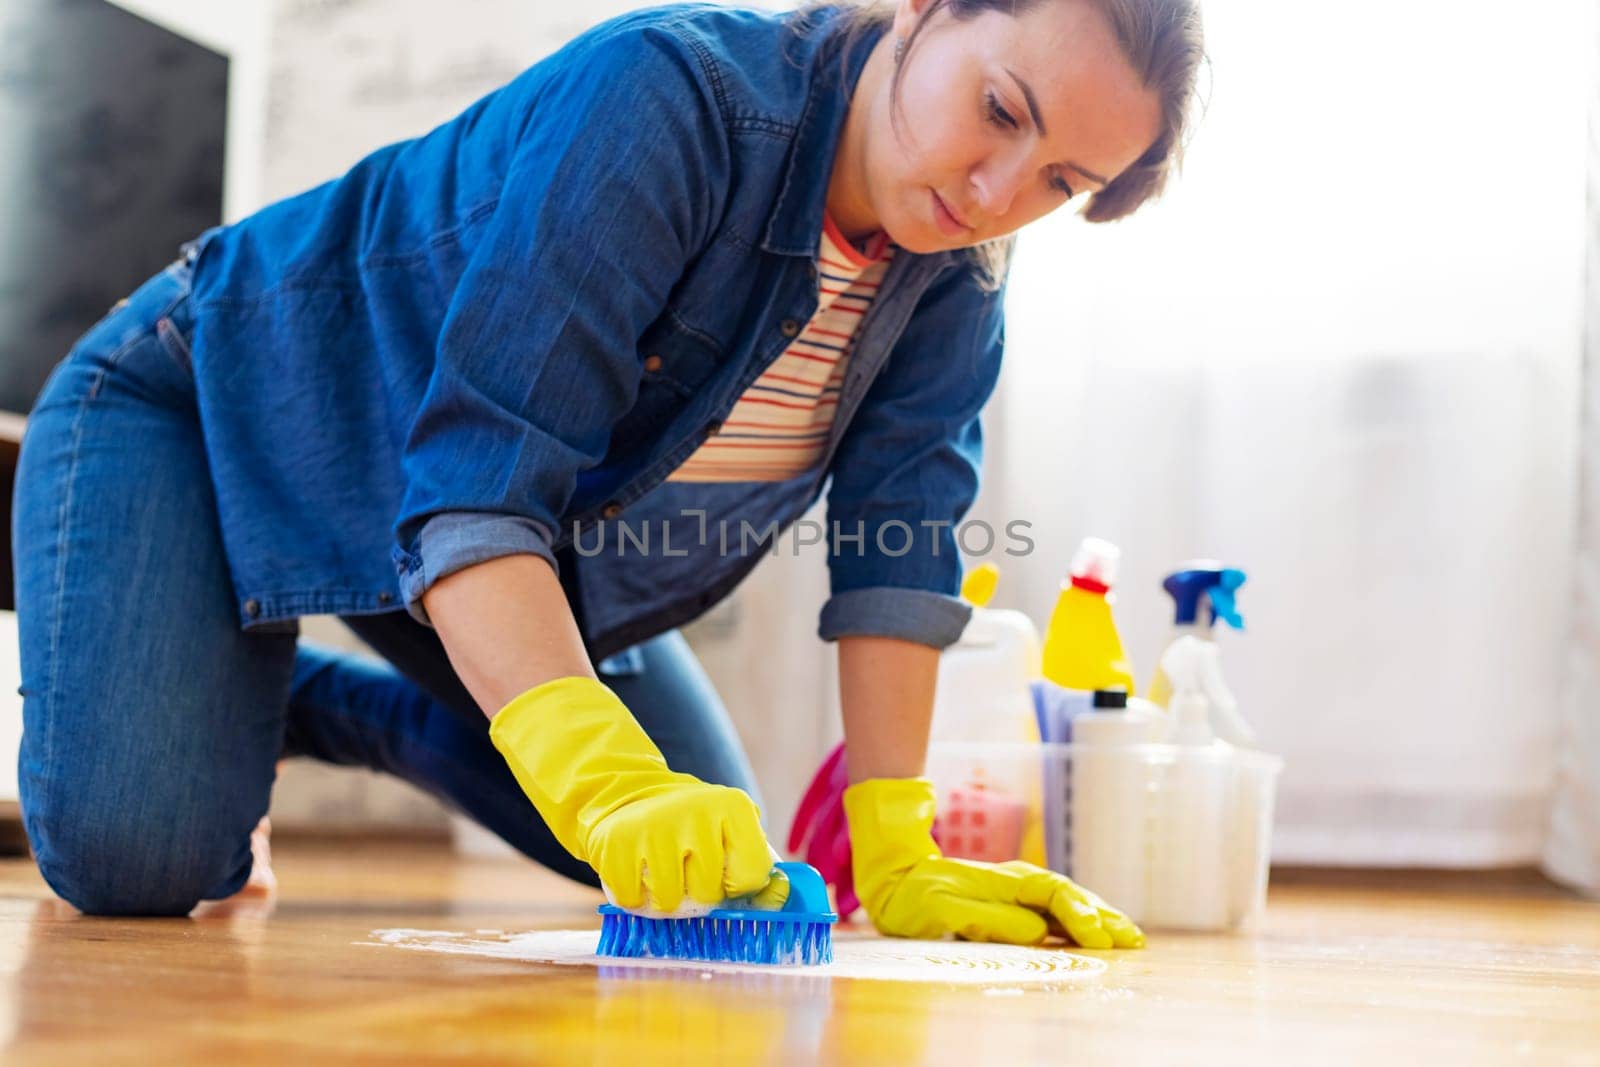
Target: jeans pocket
(173,340)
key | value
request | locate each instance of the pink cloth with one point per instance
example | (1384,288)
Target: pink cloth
(819,834)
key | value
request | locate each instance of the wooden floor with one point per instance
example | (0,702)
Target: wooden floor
(1411,969)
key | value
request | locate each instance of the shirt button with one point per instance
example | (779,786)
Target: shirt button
(252,607)
(789,327)
(713,426)
(652,363)
(385,597)
(611,510)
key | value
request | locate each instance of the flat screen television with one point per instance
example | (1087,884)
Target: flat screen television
(111,156)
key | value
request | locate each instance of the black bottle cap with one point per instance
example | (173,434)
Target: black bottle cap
(1110,699)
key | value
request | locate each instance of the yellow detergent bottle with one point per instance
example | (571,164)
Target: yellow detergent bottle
(1082,649)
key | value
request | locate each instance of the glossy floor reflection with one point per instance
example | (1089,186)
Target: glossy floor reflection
(1395,968)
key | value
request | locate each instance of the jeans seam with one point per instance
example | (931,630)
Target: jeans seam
(173,344)
(165,327)
(49,697)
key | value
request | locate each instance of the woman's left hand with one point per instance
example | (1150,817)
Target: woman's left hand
(911,890)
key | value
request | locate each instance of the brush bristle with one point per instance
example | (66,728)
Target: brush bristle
(753,940)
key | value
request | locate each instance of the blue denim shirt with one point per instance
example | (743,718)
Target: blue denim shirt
(501,335)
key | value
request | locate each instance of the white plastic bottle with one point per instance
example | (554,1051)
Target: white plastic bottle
(1192,868)
(981,693)
(1109,811)
(984,734)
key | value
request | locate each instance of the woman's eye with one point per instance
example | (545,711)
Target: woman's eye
(999,115)
(1002,118)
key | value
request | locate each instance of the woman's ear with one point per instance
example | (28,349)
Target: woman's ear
(907,13)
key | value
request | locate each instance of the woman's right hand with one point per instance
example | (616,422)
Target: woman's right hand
(654,836)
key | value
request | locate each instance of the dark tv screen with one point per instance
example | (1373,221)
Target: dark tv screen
(111,156)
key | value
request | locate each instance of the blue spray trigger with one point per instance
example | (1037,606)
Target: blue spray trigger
(1204,582)
(1222,599)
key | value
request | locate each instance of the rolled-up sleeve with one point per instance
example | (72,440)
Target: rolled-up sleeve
(615,181)
(907,471)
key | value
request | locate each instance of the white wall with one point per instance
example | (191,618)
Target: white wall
(1572,852)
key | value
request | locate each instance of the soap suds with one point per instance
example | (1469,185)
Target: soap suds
(882,959)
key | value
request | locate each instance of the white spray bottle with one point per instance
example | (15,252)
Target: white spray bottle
(1203,594)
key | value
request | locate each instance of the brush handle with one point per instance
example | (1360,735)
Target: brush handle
(808,894)
(808,900)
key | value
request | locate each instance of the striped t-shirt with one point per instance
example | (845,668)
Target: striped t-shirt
(779,425)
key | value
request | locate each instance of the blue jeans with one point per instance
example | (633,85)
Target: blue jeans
(152,724)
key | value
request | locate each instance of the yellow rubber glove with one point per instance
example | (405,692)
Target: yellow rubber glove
(607,794)
(911,890)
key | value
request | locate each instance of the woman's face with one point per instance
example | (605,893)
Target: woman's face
(1002,119)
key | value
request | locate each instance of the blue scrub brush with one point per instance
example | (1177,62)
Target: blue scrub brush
(801,932)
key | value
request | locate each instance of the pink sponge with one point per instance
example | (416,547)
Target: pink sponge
(980,824)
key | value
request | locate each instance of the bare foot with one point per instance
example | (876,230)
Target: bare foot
(262,882)
(259,896)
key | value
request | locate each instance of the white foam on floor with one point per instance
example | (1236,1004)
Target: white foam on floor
(882,959)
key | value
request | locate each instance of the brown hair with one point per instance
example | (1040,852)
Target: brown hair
(1164,43)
